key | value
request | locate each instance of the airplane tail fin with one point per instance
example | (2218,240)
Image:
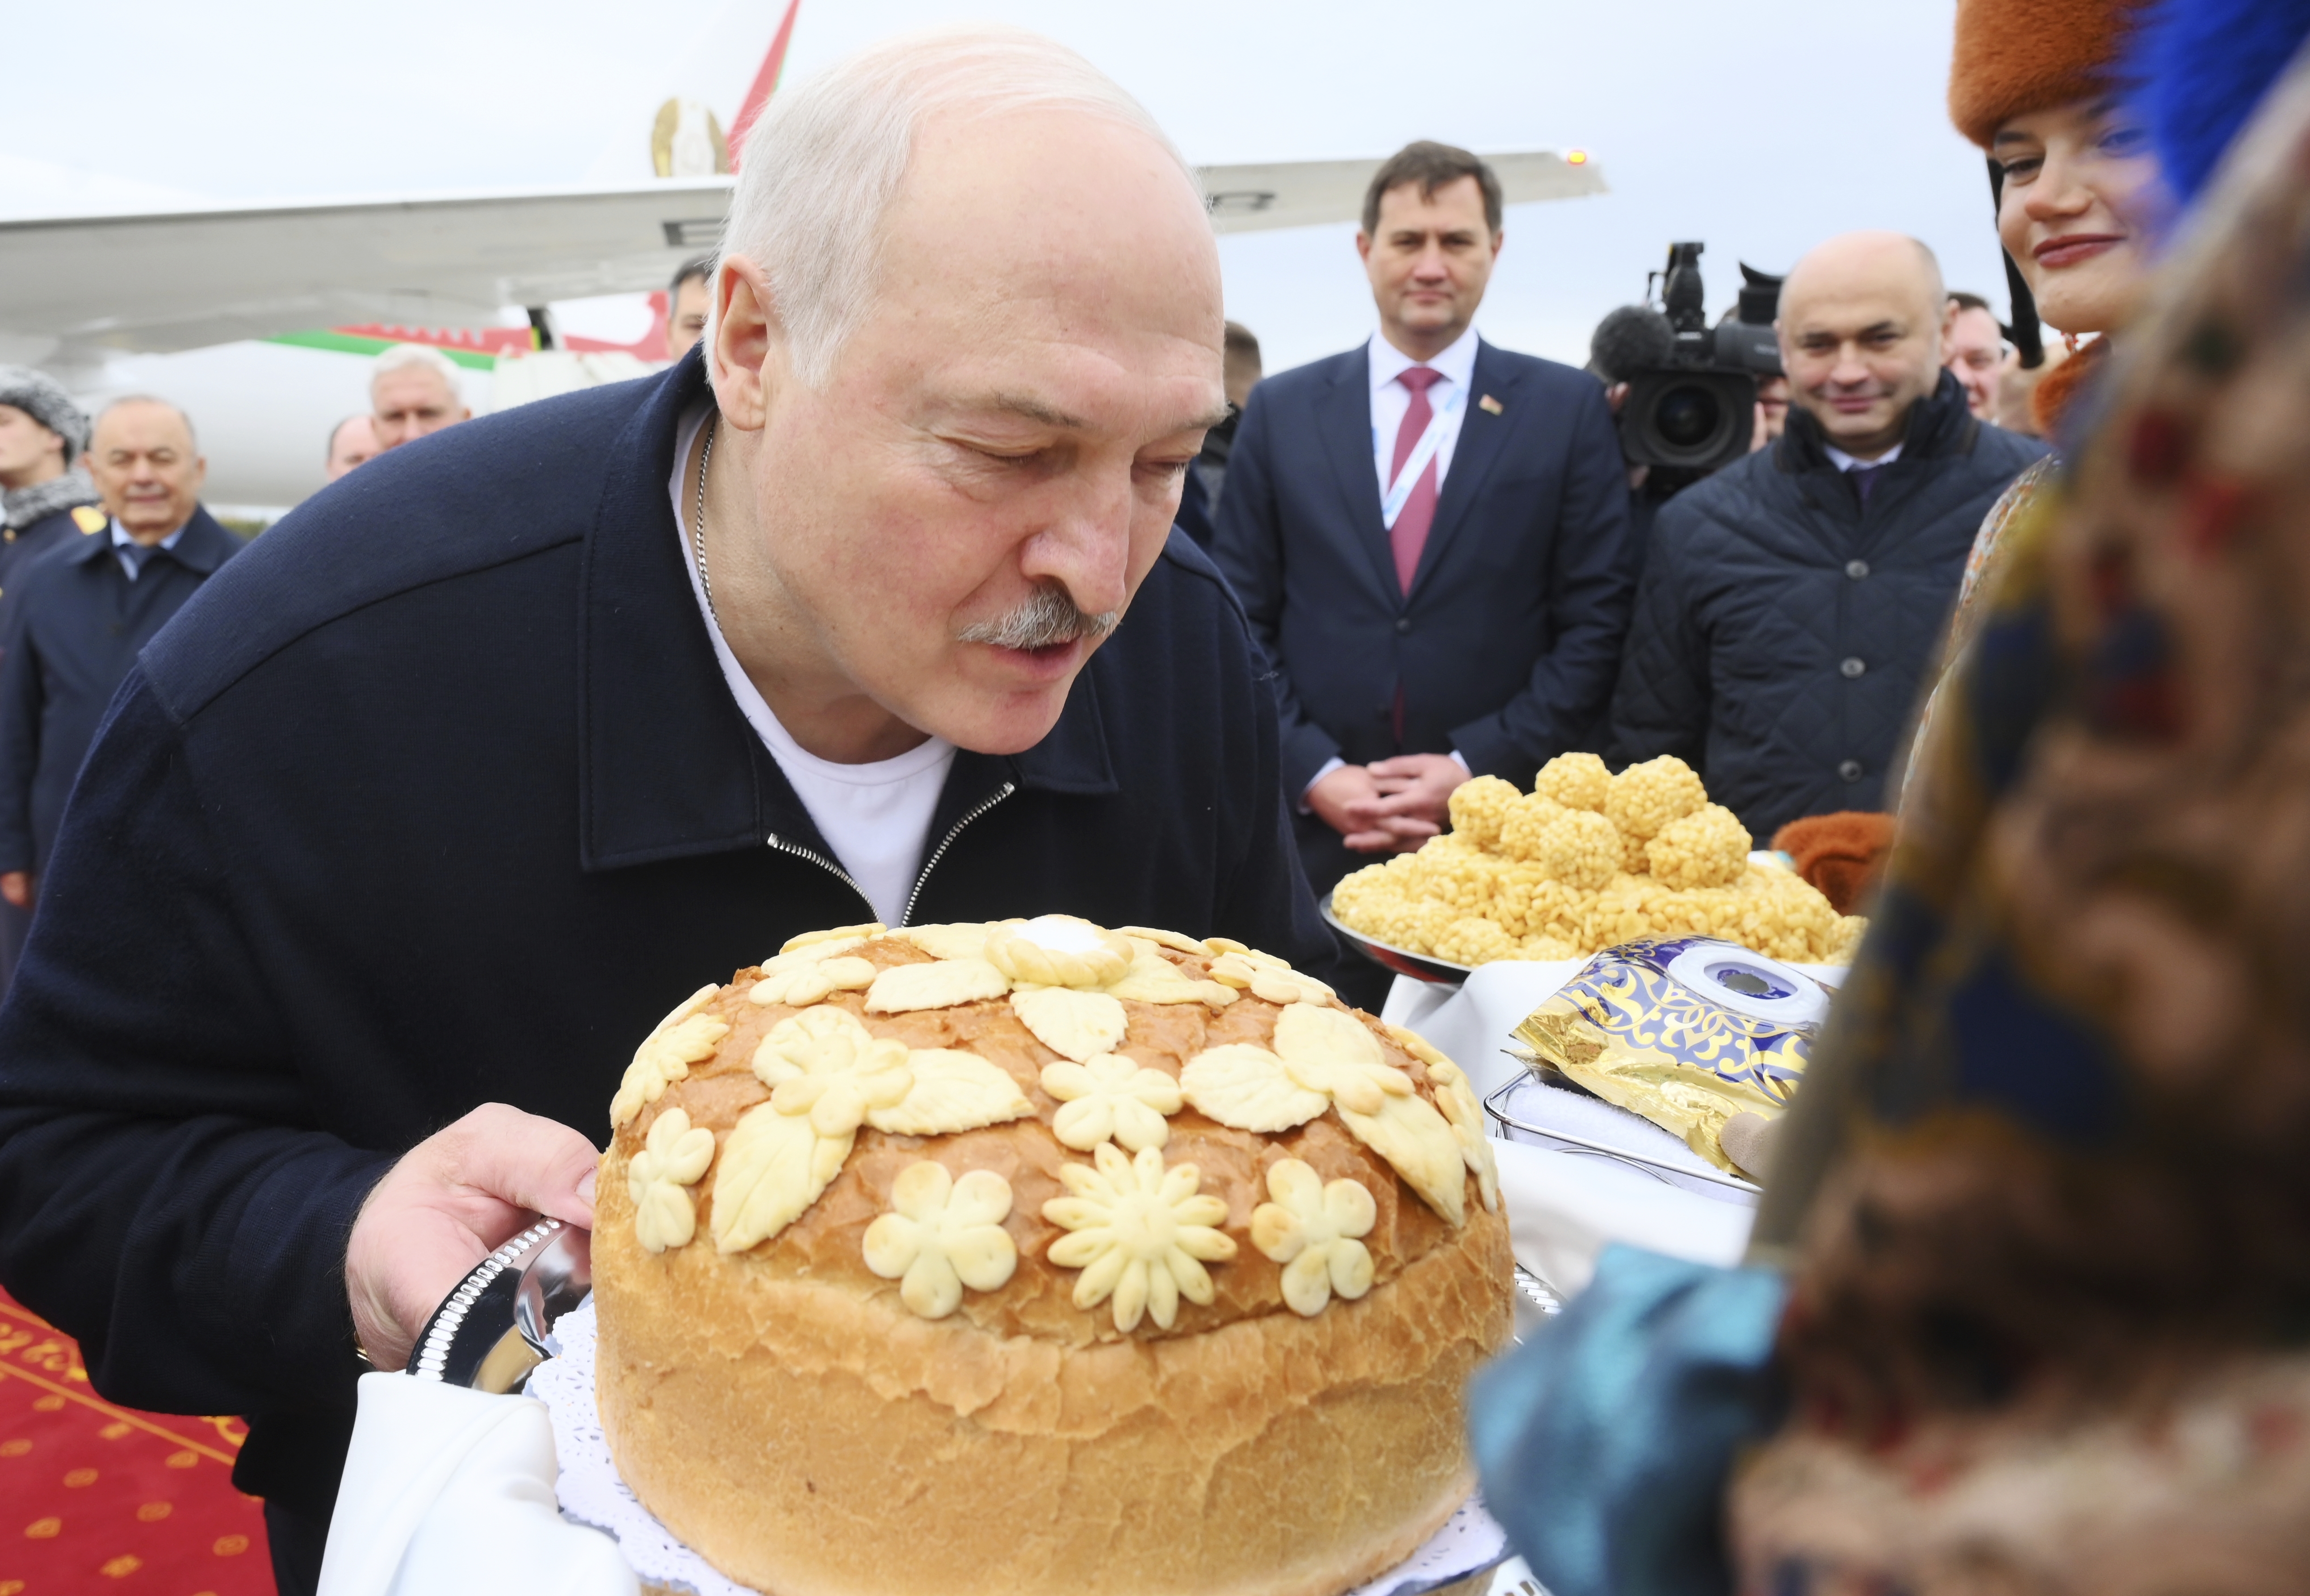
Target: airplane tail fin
(766,82)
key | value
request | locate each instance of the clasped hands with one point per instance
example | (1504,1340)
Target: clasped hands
(1390,806)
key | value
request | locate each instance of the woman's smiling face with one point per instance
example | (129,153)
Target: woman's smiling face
(2082,201)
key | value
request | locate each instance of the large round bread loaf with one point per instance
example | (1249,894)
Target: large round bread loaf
(805,1424)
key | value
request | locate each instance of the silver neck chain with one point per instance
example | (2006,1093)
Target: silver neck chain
(697,527)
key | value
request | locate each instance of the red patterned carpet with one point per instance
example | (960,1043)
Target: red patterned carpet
(95,1497)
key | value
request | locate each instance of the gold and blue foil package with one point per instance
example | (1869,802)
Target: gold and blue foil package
(1685,1031)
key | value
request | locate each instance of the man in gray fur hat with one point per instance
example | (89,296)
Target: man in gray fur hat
(47,494)
(46,497)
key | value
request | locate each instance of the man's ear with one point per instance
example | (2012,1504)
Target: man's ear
(740,341)
(1363,245)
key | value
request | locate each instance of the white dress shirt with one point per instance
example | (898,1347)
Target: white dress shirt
(1844,462)
(1390,399)
(877,817)
(121,540)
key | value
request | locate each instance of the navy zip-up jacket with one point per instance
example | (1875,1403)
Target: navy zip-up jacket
(437,797)
(1782,628)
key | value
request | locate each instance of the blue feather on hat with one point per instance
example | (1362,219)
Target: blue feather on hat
(2199,69)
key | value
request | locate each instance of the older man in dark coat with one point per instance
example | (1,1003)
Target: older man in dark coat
(80,616)
(413,824)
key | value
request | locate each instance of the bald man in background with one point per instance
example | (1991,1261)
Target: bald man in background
(1791,603)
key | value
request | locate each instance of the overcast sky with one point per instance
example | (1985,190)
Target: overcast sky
(1758,128)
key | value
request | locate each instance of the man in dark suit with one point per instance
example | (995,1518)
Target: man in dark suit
(1428,534)
(81,615)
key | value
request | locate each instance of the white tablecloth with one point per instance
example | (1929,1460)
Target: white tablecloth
(448,1491)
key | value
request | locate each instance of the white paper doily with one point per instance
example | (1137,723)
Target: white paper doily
(591,1493)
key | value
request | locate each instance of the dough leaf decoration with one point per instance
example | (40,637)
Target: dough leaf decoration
(1315,1231)
(905,988)
(949,1091)
(1164,938)
(1111,1098)
(773,1167)
(1155,979)
(1324,1057)
(1076,1025)
(943,1234)
(682,1039)
(851,934)
(962,939)
(1248,1088)
(673,1158)
(810,980)
(827,1075)
(1140,1235)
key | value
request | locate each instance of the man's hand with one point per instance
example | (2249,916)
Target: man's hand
(1348,801)
(453,1200)
(1415,795)
(16,887)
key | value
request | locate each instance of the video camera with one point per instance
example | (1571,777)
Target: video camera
(1696,411)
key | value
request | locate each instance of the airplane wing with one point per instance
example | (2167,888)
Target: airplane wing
(183,279)
(1303,193)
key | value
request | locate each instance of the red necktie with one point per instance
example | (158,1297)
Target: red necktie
(1409,536)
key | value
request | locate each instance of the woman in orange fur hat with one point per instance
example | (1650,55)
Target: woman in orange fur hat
(2078,201)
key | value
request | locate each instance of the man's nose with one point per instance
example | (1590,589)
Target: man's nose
(1086,548)
(1430,266)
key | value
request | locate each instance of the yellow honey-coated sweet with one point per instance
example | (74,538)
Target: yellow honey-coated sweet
(1584,863)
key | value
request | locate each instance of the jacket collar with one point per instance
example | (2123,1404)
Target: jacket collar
(205,546)
(668,767)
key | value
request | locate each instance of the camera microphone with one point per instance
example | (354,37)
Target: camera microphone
(1629,340)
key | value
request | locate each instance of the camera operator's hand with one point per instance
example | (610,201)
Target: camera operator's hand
(453,1200)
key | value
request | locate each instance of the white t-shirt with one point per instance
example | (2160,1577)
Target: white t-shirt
(877,817)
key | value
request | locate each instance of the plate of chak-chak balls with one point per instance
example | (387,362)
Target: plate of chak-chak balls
(1039,1257)
(1584,861)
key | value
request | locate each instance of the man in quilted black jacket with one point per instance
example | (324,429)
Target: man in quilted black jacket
(1791,603)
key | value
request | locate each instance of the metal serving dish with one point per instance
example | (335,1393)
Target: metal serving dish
(1420,967)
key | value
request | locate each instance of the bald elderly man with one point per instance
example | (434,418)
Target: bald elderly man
(1791,603)
(864,609)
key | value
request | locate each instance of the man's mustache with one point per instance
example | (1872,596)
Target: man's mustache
(1048,616)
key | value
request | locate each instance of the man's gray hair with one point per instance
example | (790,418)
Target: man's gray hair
(125,400)
(820,169)
(402,355)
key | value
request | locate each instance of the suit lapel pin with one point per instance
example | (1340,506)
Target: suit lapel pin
(1489,404)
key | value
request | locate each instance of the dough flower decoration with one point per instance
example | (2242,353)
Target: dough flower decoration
(943,1234)
(1140,1233)
(827,1075)
(1111,1098)
(1323,1058)
(1059,951)
(811,975)
(673,1158)
(1315,1231)
(682,1039)
(1264,976)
